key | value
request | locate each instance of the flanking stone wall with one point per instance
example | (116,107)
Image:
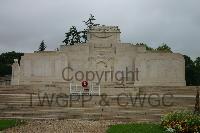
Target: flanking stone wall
(160,69)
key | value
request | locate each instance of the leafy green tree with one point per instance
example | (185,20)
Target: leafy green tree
(147,47)
(197,71)
(5,69)
(165,48)
(74,36)
(197,62)
(8,58)
(6,61)
(42,46)
(90,22)
(189,71)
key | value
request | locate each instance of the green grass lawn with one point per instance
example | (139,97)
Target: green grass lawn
(8,123)
(136,128)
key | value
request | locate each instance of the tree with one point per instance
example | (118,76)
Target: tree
(197,62)
(164,48)
(74,36)
(90,22)
(5,69)
(197,71)
(8,57)
(189,71)
(145,45)
(192,71)
(42,46)
(6,61)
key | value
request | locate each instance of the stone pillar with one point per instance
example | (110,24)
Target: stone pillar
(15,73)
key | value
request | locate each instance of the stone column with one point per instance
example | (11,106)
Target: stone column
(15,73)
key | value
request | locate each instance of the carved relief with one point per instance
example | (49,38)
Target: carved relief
(102,36)
(101,65)
(102,45)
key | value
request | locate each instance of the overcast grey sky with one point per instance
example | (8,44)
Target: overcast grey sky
(25,23)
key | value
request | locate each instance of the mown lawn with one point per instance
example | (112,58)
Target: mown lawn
(136,128)
(8,123)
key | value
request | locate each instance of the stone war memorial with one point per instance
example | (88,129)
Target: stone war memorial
(103,59)
(103,78)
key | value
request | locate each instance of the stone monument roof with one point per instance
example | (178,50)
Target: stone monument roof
(103,28)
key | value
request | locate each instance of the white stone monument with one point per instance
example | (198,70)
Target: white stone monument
(102,59)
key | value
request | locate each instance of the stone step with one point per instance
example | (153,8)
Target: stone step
(15,103)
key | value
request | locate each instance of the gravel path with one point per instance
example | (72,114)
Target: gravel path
(63,126)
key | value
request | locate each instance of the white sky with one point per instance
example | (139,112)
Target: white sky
(25,23)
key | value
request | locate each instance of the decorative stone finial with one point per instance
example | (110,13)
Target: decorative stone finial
(104,28)
(15,60)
